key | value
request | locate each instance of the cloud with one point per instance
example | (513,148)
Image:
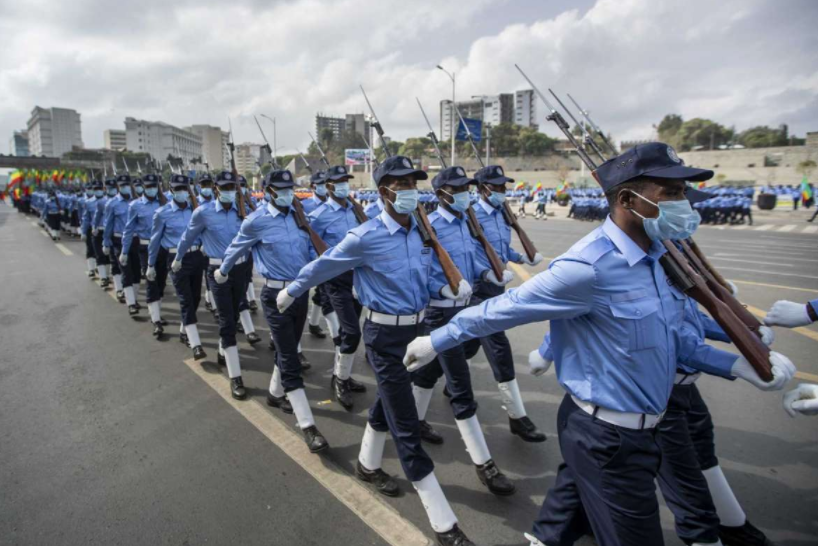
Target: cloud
(742,62)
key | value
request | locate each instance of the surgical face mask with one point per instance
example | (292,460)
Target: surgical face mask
(89,193)
(112,192)
(125,190)
(341,190)
(206,192)
(151,192)
(285,197)
(227,196)
(461,200)
(268,197)
(497,198)
(406,201)
(321,190)
(180,196)
(139,190)
(99,193)
(244,190)
(676,220)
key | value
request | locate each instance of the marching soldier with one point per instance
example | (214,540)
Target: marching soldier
(86,225)
(250,294)
(205,184)
(116,216)
(104,266)
(169,223)
(281,249)
(51,214)
(320,304)
(391,278)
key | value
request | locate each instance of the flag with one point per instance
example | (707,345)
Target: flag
(702,185)
(806,190)
(475,128)
(538,187)
(16,178)
(519,186)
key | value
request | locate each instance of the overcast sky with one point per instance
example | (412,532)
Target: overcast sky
(740,62)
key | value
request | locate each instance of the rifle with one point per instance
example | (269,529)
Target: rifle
(508,214)
(127,170)
(475,228)
(591,122)
(687,279)
(357,209)
(231,145)
(427,234)
(587,139)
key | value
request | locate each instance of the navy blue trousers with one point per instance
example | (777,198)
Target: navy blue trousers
(286,329)
(496,346)
(606,484)
(89,244)
(187,283)
(156,288)
(131,273)
(102,259)
(339,292)
(231,300)
(394,408)
(452,363)
(320,298)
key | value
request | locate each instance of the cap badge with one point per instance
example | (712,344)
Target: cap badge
(407,163)
(499,171)
(460,172)
(286,176)
(671,153)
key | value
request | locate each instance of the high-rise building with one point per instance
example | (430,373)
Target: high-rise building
(214,145)
(518,108)
(53,131)
(250,156)
(525,108)
(114,139)
(472,109)
(18,145)
(357,123)
(160,140)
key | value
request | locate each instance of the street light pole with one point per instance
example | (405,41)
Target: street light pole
(453,116)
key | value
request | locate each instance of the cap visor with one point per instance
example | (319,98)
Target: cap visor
(336,178)
(680,172)
(696,196)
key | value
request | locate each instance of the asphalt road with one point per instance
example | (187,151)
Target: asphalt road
(108,436)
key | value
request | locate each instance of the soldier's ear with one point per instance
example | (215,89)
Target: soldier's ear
(625,198)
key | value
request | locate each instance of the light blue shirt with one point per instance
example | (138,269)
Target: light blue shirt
(169,223)
(616,324)
(99,214)
(87,218)
(140,220)
(497,231)
(332,221)
(311,203)
(116,215)
(280,249)
(466,253)
(374,209)
(391,267)
(216,227)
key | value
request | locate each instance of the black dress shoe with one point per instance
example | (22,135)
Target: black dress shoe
(383,482)
(253,338)
(746,535)
(220,360)
(526,430)
(208,306)
(315,440)
(163,322)
(158,330)
(305,364)
(341,392)
(430,435)
(317,331)
(455,537)
(355,386)
(183,339)
(138,307)
(494,480)
(199,353)
(237,388)
(92,274)
(280,402)
(253,306)
(120,296)
(103,283)
(133,310)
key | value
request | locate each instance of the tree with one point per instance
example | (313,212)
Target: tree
(702,132)
(669,127)
(764,137)
(415,147)
(532,142)
(505,139)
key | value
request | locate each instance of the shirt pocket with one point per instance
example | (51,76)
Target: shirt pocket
(640,321)
(386,265)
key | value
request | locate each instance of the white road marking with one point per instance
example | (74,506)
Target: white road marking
(767,285)
(810,229)
(45,234)
(64,249)
(764,227)
(811,277)
(717,254)
(779,264)
(788,227)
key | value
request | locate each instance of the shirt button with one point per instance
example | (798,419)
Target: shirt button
(638,313)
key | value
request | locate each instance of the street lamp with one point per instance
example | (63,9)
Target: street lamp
(488,126)
(451,77)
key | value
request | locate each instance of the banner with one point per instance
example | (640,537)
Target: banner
(356,156)
(475,127)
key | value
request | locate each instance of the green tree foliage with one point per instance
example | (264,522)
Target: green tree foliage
(765,137)
(702,133)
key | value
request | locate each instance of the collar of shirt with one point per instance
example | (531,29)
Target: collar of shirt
(486,206)
(629,249)
(175,206)
(391,225)
(272,210)
(446,215)
(333,204)
(217,206)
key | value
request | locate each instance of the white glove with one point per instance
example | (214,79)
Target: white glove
(150,273)
(176,266)
(83,237)
(123,258)
(463,292)
(419,353)
(803,399)
(537,365)
(767,335)
(106,250)
(95,232)
(354,293)
(508,276)
(284,300)
(783,371)
(733,288)
(537,259)
(220,277)
(788,314)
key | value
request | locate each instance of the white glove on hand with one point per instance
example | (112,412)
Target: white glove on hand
(95,232)
(419,353)
(537,365)
(767,335)
(219,276)
(537,259)
(150,273)
(733,288)
(106,250)
(463,292)
(284,300)
(176,266)
(783,371)
(788,314)
(123,258)
(508,276)
(803,399)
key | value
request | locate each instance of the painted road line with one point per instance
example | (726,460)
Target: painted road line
(810,229)
(788,227)
(720,254)
(811,277)
(760,313)
(765,227)
(35,224)
(378,515)
(778,264)
(44,234)
(64,249)
(807,376)
(752,283)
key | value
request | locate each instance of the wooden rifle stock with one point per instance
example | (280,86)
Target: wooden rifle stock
(450,271)
(360,215)
(301,221)
(694,285)
(703,259)
(511,220)
(477,232)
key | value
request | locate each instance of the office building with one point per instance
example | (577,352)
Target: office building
(161,139)
(18,145)
(214,145)
(53,131)
(114,139)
